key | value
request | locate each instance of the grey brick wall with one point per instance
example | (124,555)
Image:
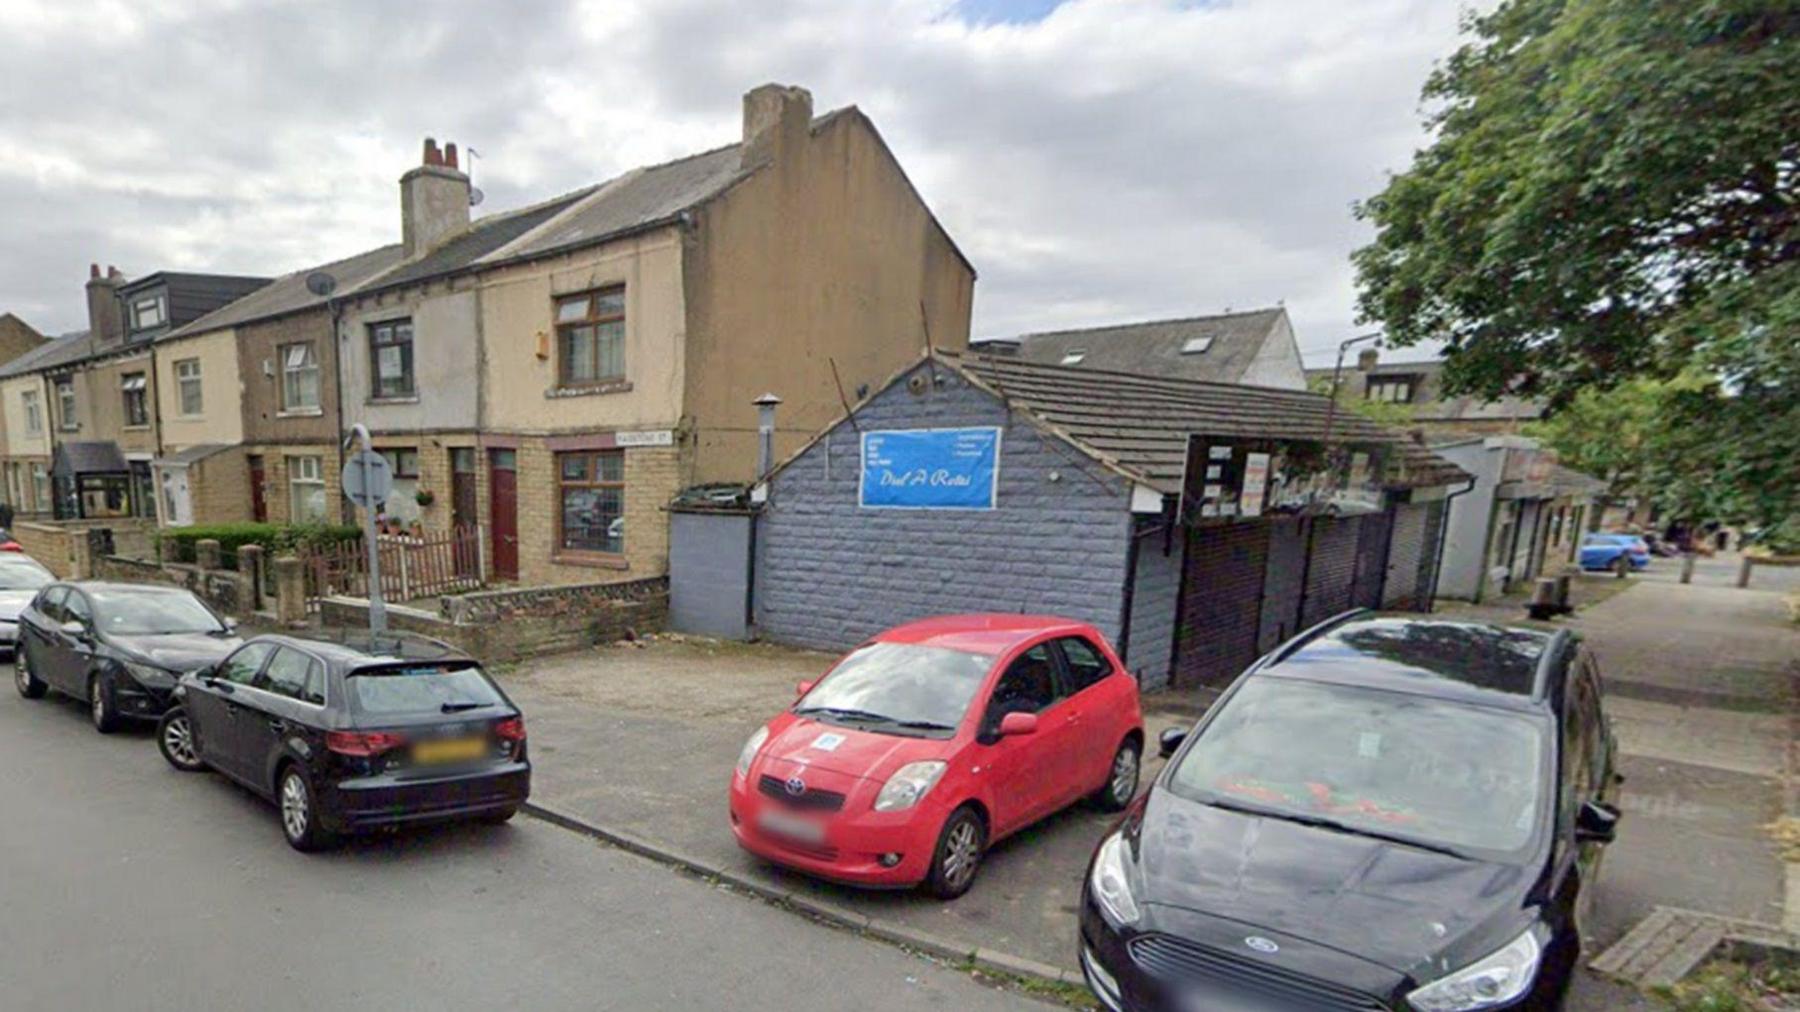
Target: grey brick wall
(1154,594)
(830,573)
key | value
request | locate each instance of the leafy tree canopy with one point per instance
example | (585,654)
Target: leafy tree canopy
(1613,190)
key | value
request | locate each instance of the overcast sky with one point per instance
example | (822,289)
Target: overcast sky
(1098,160)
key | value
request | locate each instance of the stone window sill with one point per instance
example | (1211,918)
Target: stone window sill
(135,428)
(619,386)
(414,399)
(589,559)
(301,413)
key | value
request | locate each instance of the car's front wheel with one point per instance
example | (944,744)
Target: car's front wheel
(1121,779)
(103,709)
(958,854)
(175,740)
(28,684)
(299,812)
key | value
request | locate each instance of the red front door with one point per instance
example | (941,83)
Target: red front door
(259,507)
(503,502)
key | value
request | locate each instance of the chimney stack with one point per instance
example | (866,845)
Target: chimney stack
(434,201)
(777,120)
(1366,359)
(106,311)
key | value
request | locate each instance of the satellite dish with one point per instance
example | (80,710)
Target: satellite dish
(475,196)
(321,284)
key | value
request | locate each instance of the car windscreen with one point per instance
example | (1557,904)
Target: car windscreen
(1388,764)
(899,686)
(22,576)
(151,613)
(411,689)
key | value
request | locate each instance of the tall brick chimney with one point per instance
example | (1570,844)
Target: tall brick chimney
(777,119)
(1367,359)
(106,311)
(434,200)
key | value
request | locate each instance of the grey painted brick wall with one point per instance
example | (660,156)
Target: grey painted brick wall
(830,573)
(1155,592)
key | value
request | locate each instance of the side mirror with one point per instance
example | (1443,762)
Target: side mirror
(802,688)
(1170,741)
(1018,723)
(76,630)
(231,624)
(1597,823)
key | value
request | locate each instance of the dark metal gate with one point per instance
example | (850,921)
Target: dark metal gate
(1221,603)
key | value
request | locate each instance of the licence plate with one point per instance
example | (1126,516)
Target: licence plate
(791,826)
(450,750)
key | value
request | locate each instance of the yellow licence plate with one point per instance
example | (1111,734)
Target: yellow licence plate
(450,750)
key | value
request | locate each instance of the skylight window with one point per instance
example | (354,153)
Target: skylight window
(1074,356)
(1196,346)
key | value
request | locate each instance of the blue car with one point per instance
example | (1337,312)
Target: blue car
(1621,553)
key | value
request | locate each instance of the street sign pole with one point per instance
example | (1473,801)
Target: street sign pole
(370,481)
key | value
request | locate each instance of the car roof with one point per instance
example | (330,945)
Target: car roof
(107,587)
(1471,662)
(350,649)
(981,633)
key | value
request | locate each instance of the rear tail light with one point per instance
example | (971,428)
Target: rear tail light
(510,729)
(363,743)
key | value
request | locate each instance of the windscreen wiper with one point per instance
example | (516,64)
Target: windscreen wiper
(921,725)
(1322,822)
(844,714)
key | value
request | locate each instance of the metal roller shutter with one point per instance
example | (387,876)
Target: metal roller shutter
(1371,560)
(1221,603)
(1406,545)
(1281,584)
(1332,570)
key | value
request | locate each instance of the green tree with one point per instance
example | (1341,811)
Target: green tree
(1612,191)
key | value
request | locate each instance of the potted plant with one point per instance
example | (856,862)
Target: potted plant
(424,497)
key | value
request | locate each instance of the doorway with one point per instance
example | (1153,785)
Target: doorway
(503,504)
(259,505)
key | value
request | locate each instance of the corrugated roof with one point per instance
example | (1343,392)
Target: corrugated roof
(1154,347)
(1141,424)
(288,293)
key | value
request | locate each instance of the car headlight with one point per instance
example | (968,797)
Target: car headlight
(751,747)
(908,785)
(1111,884)
(1496,980)
(150,677)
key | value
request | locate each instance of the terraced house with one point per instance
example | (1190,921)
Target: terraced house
(556,373)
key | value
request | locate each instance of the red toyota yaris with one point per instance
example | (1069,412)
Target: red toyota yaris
(933,740)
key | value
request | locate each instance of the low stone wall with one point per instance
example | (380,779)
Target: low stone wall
(229,592)
(61,545)
(506,625)
(50,543)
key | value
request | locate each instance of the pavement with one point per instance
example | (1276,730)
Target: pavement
(127,885)
(638,739)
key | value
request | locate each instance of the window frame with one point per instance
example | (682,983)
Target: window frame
(256,672)
(1059,688)
(1405,389)
(136,399)
(377,342)
(564,485)
(315,670)
(1075,686)
(34,414)
(66,420)
(290,372)
(593,319)
(395,455)
(295,482)
(155,301)
(182,387)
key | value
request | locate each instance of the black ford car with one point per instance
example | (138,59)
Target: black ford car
(1401,814)
(355,735)
(117,646)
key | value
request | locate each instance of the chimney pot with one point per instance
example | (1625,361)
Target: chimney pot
(432,155)
(450,154)
(93,272)
(114,273)
(1366,359)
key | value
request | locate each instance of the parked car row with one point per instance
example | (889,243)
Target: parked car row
(1383,813)
(343,737)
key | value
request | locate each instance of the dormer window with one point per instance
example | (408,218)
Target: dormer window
(1074,356)
(147,312)
(1196,346)
(1390,389)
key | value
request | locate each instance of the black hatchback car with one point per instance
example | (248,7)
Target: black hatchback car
(119,647)
(1384,813)
(352,736)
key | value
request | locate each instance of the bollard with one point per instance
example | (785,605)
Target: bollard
(1563,593)
(290,591)
(1687,567)
(207,553)
(1743,579)
(1543,600)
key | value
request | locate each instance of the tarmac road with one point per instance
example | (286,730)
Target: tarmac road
(127,885)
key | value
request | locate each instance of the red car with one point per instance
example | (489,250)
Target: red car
(933,740)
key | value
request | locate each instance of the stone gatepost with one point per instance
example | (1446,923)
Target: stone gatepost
(250,570)
(207,553)
(290,591)
(81,556)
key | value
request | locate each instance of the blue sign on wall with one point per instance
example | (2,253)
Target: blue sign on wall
(947,469)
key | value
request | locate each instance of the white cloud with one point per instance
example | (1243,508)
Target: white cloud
(1116,159)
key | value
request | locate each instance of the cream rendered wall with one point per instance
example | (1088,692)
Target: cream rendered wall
(517,319)
(444,360)
(19,443)
(221,419)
